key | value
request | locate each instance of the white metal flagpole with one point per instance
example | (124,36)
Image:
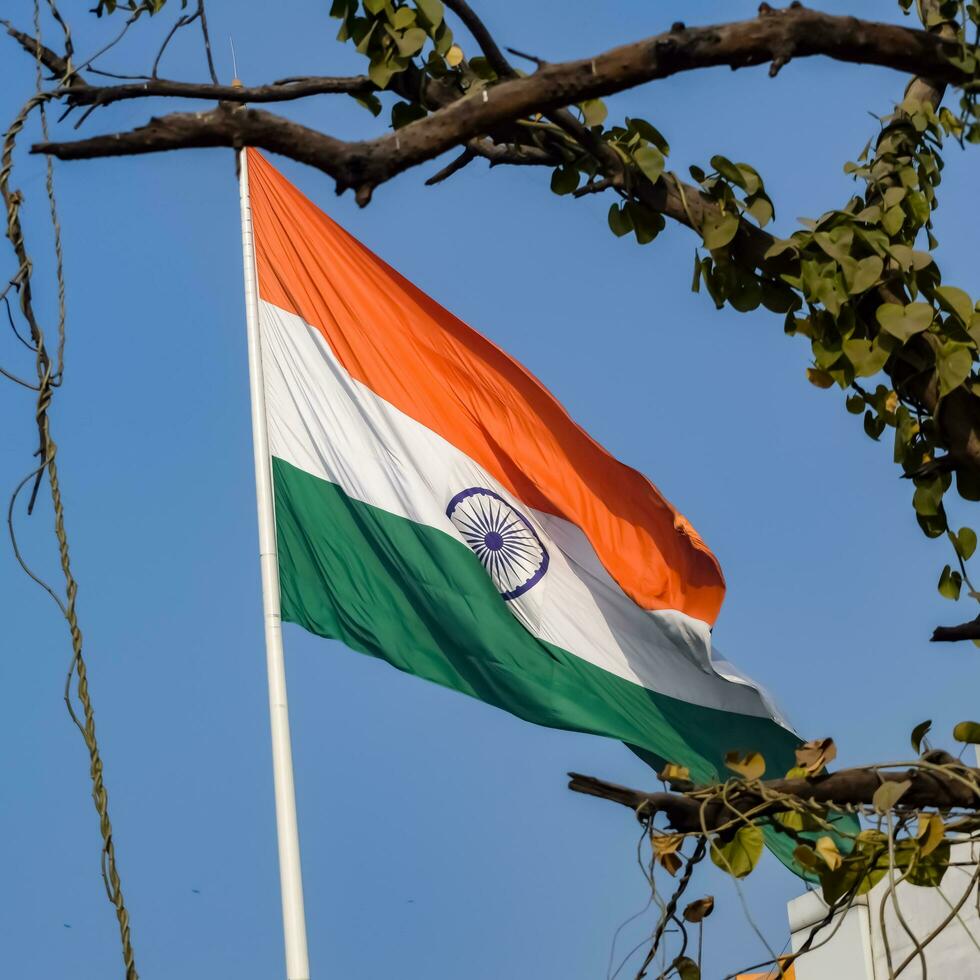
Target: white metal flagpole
(290,872)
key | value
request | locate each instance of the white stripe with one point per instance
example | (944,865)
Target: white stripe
(328,424)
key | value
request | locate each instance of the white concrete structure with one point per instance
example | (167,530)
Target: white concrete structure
(856,951)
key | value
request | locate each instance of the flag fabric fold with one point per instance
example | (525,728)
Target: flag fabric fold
(436,507)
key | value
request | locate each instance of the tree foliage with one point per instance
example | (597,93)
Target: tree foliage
(860,282)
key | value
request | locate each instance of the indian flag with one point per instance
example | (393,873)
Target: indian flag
(437,507)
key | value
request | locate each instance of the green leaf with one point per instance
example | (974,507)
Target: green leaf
(902,255)
(965,543)
(917,204)
(956,301)
(819,377)
(778,297)
(443,38)
(432,10)
(858,873)
(934,525)
(781,245)
(893,220)
(927,870)
(864,274)
(403,113)
(918,734)
(381,71)
(370,102)
(362,45)
(830,292)
(967,731)
(481,68)
(686,968)
(650,133)
(805,856)
(728,170)
(651,161)
(928,497)
(746,294)
(868,358)
(837,245)
(904,321)
(564,179)
(410,42)
(873,426)
(619,220)
(594,112)
(647,223)
(753,182)
(888,794)
(760,207)
(750,766)
(894,196)
(741,854)
(719,229)
(403,17)
(950,583)
(790,819)
(953,365)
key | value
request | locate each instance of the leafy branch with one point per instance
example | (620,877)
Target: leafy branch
(860,282)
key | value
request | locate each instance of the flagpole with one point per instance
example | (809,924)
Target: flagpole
(290,871)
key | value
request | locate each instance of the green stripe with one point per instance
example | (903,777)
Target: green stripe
(420,599)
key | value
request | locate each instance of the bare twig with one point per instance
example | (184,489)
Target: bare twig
(207,40)
(454,166)
(482,36)
(180,22)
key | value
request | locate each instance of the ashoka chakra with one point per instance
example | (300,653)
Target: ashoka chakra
(502,538)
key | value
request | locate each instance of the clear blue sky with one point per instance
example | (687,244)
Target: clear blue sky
(439,840)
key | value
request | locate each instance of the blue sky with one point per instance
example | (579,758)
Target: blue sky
(439,839)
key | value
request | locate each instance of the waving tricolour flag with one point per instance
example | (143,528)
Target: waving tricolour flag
(436,507)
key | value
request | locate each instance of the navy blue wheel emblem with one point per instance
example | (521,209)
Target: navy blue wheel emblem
(502,538)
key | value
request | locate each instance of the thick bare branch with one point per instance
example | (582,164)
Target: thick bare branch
(954,634)
(796,32)
(466,120)
(82,92)
(929,788)
(230,126)
(297,88)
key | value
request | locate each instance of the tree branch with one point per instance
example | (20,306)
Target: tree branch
(297,88)
(55,64)
(798,31)
(462,120)
(471,20)
(845,788)
(953,634)
(81,92)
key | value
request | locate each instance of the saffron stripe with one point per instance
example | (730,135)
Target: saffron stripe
(420,358)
